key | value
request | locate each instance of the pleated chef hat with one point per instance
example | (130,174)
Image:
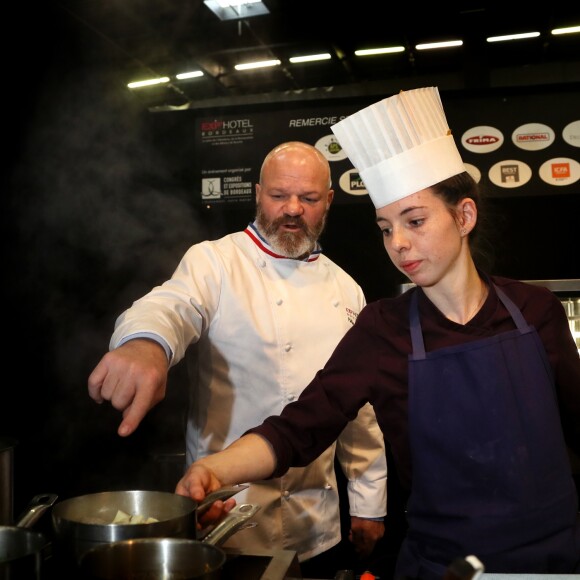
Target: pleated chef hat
(400,145)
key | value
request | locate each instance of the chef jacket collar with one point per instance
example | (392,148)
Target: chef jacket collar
(262,243)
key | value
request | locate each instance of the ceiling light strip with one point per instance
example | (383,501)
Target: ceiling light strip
(189,75)
(361,52)
(513,37)
(310,58)
(435,45)
(258,64)
(567,30)
(148,82)
(380,50)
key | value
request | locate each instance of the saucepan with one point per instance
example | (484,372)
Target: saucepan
(85,522)
(23,550)
(166,558)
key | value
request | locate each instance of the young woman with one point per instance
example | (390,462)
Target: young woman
(475,381)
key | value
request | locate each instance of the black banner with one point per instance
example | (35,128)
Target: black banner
(515,145)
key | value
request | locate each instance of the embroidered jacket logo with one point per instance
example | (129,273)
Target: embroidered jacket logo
(351,315)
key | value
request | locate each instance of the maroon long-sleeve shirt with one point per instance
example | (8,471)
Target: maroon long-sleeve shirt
(370,364)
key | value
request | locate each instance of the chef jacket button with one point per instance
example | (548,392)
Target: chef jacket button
(336,303)
(286,494)
(288,347)
(279,301)
(291,397)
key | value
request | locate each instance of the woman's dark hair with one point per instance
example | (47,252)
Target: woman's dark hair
(452,191)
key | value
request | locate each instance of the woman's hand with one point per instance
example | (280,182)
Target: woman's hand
(198,482)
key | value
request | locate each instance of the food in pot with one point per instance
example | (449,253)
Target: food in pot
(122,517)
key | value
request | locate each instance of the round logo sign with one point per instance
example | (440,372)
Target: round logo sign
(533,136)
(350,182)
(330,148)
(482,139)
(510,173)
(571,133)
(473,171)
(560,171)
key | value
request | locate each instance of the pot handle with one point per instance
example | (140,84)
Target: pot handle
(232,522)
(36,507)
(222,494)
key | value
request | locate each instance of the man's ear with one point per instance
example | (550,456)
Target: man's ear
(329,198)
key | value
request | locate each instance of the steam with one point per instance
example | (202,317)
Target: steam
(97,220)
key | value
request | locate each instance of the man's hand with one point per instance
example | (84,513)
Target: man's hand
(364,534)
(133,377)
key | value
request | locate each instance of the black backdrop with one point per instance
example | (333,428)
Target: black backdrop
(82,242)
(97,208)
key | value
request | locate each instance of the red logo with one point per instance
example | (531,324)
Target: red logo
(527,137)
(211,125)
(560,170)
(482,140)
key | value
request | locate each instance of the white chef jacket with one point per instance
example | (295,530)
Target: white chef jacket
(264,324)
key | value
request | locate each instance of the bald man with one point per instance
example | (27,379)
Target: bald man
(266,309)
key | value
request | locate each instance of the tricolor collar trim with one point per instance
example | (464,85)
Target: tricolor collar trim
(261,242)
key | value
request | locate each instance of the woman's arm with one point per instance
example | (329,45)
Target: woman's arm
(249,458)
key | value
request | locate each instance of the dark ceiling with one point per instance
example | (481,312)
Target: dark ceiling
(137,39)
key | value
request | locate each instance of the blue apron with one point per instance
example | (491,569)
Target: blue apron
(491,473)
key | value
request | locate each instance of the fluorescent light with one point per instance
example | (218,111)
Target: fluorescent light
(236,9)
(383,50)
(148,82)
(446,44)
(189,75)
(309,58)
(257,64)
(568,30)
(235,3)
(513,36)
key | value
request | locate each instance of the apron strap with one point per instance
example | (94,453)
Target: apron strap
(418,346)
(513,310)
(415,325)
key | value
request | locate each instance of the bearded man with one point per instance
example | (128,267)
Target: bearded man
(266,309)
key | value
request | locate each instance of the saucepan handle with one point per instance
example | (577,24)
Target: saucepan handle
(222,494)
(36,507)
(236,519)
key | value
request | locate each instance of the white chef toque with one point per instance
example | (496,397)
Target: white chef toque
(400,145)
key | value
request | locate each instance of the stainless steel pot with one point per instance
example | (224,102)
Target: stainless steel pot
(166,558)
(85,522)
(23,550)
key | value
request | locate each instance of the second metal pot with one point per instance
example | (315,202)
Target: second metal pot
(166,558)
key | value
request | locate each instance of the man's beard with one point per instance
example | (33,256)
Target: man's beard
(296,244)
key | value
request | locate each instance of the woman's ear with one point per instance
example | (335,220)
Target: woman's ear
(467,214)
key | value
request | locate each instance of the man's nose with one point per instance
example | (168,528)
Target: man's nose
(294,206)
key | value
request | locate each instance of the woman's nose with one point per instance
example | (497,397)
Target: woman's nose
(398,240)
